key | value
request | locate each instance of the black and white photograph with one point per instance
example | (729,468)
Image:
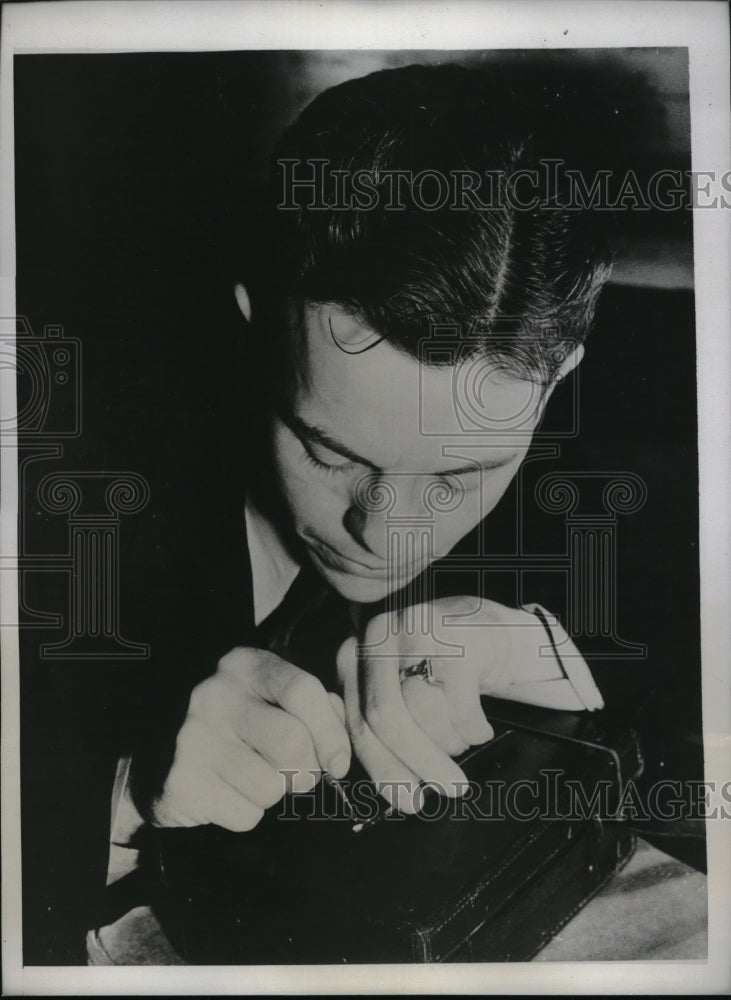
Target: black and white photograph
(365,527)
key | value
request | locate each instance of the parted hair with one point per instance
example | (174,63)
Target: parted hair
(519,282)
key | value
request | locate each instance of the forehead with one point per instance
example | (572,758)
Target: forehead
(388,407)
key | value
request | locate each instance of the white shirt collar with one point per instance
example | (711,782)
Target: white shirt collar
(272,568)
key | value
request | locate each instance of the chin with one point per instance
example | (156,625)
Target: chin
(359,589)
(356,588)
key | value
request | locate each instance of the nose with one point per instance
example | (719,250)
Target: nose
(382,509)
(354,522)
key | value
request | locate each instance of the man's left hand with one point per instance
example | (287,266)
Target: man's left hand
(408,718)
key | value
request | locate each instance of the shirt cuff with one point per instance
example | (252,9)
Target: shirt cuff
(566,682)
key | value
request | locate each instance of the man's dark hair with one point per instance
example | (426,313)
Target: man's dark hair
(519,283)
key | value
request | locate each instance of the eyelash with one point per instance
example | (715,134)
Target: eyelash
(333,470)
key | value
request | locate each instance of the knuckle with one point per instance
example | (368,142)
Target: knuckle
(304,780)
(190,743)
(302,687)
(238,660)
(294,742)
(247,820)
(201,698)
(456,744)
(165,814)
(473,736)
(271,794)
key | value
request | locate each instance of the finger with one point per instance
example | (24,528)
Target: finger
(337,703)
(248,773)
(566,658)
(282,740)
(387,715)
(303,696)
(535,659)
(395,782)
(196,797)
(428,706)
(462,691)
(547,694)
(225,807)
(577,671)
(346,662)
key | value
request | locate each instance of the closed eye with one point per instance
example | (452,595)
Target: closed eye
(472,484)
(332,468)
(463,482)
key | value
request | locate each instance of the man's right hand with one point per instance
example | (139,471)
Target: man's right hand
(254,719)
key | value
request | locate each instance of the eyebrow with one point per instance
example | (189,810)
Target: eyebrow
(304,430)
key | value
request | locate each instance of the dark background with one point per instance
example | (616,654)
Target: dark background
(138,183)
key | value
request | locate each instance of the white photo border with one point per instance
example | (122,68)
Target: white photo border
(218,25)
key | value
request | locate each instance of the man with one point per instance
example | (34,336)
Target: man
(364,262)
(398,350)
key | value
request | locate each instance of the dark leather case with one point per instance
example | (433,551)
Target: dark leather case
(492,876)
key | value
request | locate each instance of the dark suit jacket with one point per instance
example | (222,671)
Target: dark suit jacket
(186,591)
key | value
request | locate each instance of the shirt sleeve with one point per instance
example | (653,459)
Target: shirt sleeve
(544,665)
(125,825)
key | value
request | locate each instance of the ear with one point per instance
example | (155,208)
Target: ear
(243,301)
(570,362)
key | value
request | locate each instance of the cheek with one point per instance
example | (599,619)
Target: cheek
(475,505)
(309,494)
(296,477)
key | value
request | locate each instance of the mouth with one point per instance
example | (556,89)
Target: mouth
(334,560)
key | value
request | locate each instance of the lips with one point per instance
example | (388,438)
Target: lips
(336,560)
(333,559)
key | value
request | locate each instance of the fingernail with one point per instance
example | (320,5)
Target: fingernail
(339,764)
